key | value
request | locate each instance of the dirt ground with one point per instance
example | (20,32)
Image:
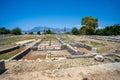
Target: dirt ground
(25,41)
(34,55)
(35,65)
(85,50)
(109,71)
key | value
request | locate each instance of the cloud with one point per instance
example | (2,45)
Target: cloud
(79,26)
(100,27)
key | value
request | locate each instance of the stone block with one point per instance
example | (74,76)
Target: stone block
(94,50)
(2,67)
(99,58)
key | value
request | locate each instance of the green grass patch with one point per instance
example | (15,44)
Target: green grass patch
(8,55)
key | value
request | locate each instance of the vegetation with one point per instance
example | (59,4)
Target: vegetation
(16,31)
(10,54)
(89,24)
(3,30)
(67,32)
(109,30)
(38,32)
(31,32)
(9,41)
(75,31)
(48,32)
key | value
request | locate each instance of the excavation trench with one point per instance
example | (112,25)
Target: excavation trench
(46,49)
(12,53)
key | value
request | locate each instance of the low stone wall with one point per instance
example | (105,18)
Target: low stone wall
(2,67)
(24,52)
(73,51)
(20,55)
(78,44)
(81,56)
(9,49)
(35,44)
(70,48)
(61,41)
(81,45)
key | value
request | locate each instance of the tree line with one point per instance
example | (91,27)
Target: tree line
(90,27)
(16,31)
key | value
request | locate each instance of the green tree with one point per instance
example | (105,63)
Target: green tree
(38,32)
(99,32)
(48,32)
(3,30)
(90,23)
(82,30)
(109,30)
(67,32)
(16,31)
(25,32)
(75,31)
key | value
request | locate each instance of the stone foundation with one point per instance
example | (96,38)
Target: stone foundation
(2,67)
(9,49)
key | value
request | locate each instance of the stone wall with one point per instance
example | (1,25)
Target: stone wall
(73,51)
(78,44)
(9,49)
(69,48)
(24,52)
(20,55)
(80,56)
(2,67)
(81,45)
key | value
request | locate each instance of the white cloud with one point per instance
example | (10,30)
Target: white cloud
(78,26)
(100,27)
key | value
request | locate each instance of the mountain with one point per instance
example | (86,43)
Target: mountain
(41,28)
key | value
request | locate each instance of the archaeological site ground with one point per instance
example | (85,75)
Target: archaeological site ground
(60,57)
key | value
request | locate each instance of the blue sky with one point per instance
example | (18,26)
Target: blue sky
(27,14)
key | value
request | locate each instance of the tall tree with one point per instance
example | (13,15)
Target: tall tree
(90,23)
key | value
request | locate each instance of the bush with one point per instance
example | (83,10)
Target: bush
(75,31)
(38,32)
(16,31)
(3,30)
(30,32)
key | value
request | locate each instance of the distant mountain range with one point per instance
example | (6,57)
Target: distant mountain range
(41,28)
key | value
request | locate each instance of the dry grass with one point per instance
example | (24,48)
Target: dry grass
(27,66)
(10,41)
(111,47)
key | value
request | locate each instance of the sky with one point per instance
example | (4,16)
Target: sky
(27,14)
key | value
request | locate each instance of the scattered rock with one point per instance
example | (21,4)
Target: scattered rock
(117,59)
(99,58)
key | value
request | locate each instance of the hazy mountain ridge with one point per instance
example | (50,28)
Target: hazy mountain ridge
(42,28)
